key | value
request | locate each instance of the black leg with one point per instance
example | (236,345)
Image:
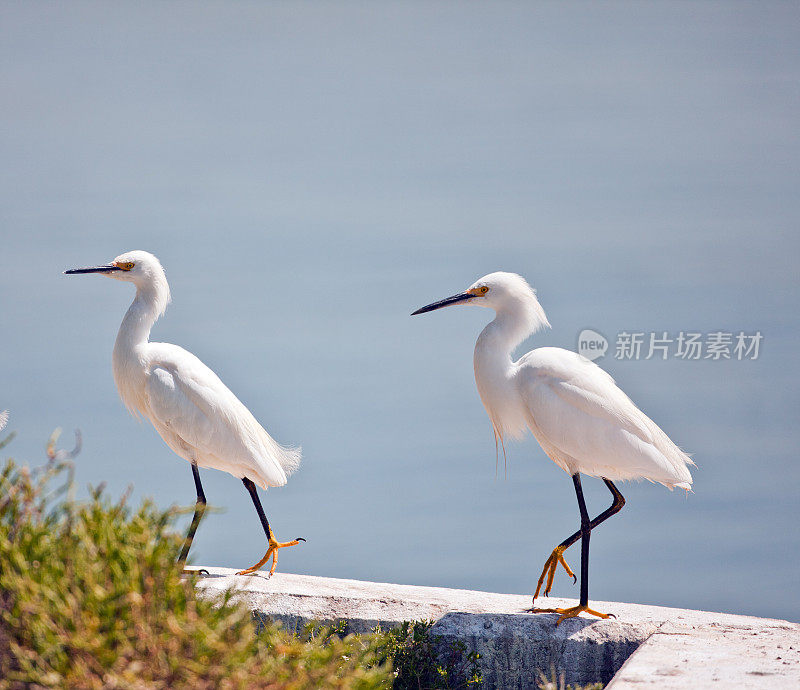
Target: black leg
(199,509)
(251,489)
(586,533)
(616,506)
(557,556)
(274,545)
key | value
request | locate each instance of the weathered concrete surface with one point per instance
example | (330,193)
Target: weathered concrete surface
(742,654)
(667,648)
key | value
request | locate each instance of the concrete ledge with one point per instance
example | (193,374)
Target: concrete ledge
(645,646)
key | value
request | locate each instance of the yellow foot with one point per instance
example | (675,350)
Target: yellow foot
(549,570)
(572,612)
(271,551)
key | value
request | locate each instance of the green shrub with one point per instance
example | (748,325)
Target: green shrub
(556,682)
(423,659)
(91,597)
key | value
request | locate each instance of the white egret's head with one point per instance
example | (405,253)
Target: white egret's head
(503,292)
(496,291)
(138,267)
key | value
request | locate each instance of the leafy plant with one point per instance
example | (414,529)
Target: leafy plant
(91,597)
(557,682)
(424,660)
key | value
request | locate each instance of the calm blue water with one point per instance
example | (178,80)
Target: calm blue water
(311,173)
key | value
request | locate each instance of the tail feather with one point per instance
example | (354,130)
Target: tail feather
(678,460)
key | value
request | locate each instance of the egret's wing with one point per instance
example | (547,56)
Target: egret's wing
(189,400)
(577,409)
(3,419)
(176,408)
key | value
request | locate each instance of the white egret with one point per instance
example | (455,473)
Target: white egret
(194,412)
(576,412)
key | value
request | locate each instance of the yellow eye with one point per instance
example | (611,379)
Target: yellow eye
(125,265)
(478,291)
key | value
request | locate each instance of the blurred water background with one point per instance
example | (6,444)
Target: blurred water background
(310,173)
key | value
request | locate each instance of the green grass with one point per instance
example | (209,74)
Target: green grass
(91,597)
(424,660)
(556,682)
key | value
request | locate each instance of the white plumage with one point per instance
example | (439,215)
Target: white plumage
(585,423)
(579,416)
(194,412)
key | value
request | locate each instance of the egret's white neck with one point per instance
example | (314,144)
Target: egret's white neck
(129,360)
(495,369)
(149,303)
(493,350)
(512,324)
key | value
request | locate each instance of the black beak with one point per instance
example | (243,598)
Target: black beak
(108,268)
(455,299)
